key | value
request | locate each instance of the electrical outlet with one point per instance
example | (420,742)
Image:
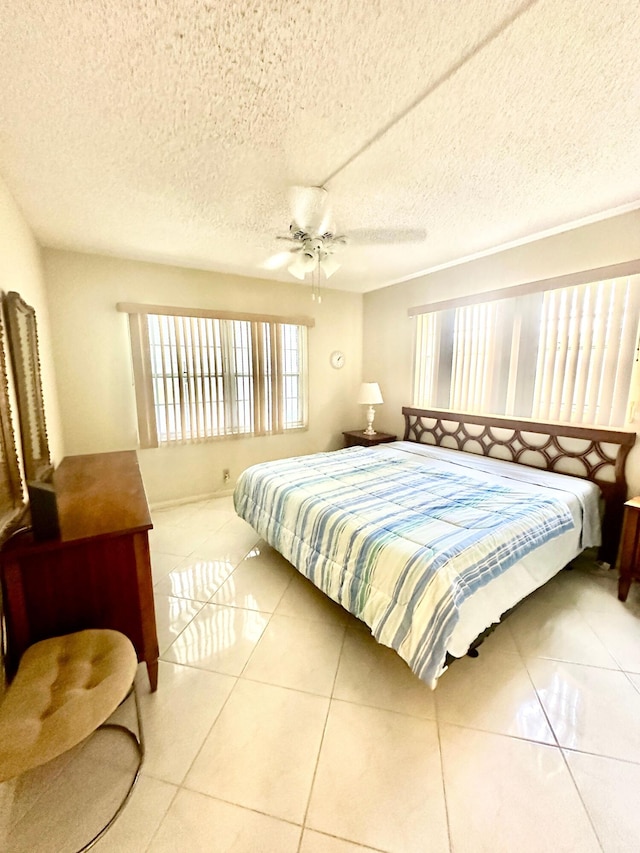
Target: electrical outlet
(226,476)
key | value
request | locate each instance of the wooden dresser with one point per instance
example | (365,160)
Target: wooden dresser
(97,574)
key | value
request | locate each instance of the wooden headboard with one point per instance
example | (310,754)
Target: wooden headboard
(594,453)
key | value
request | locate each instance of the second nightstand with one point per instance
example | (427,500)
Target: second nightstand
(358,437)
(629,548)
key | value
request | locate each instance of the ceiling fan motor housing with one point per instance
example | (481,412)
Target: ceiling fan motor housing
(313,245)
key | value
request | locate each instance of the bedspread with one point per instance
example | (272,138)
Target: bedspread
(398,542)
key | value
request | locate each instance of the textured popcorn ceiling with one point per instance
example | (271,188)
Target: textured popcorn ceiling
(171,130)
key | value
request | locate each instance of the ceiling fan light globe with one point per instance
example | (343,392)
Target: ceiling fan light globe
(329,265)
(296,270)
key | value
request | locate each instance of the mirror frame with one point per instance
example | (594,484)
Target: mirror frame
(25,361)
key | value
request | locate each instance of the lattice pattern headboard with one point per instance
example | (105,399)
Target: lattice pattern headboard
(594,453)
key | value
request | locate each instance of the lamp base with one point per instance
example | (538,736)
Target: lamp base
(370,416)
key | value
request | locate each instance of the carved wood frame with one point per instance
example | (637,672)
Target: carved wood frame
(602,455)
(23,345)
(13,504)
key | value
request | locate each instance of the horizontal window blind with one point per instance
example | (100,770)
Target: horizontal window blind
(566,354)
(202,377)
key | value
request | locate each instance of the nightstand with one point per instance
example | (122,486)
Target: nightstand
(357,437)
(629,548)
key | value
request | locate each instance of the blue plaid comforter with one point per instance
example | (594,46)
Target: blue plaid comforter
(395,542)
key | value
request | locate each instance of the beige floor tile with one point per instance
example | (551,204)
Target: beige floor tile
(172,617)
(492,692)
(200,824)
(178,717)
(142,816)
(378,781)
(18,795)
(162,564)
(632,604)
(318,842)
(579,587)
(556,592)
(84,797)
(258,582)
(262,751)
(609,789)
(195,578)
(230,544)
(239,526)
(372,674)
(208,517)
(500,639)
(298,653)
(225,502)
(619,632)
(302,598)
(175,515)
(506,795)
(590,709)
(500,790)
(170,539)
(541,630)
(220,639)
(600,595)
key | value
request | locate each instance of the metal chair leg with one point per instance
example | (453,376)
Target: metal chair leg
(139,742)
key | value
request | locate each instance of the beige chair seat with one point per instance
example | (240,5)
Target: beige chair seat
(65,688)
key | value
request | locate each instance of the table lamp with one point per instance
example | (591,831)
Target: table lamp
(369,396)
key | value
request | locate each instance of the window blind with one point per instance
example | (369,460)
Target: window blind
(201,377)
(473,356)
(566,354)
(585,357)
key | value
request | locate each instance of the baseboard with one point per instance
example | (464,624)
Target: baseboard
(221,493)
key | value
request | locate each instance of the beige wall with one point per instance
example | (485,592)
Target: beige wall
(21,270)
(389,333)
(92,356)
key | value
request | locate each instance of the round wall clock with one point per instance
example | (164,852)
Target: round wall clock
(337,359)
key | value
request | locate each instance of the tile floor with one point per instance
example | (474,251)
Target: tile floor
(280,725)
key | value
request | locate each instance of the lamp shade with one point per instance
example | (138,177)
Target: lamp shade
(370,394)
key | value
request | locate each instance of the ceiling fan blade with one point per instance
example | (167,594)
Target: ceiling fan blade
(326,223)
(296,233)
(279,260)
(310,209)
(382,235)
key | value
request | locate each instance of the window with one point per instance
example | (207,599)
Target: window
(201,375)
(561,354)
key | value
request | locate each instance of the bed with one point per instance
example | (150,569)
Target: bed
(430,540)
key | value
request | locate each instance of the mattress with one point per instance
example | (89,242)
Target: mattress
(427,546)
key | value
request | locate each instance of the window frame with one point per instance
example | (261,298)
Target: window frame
(518,301)
(263,348)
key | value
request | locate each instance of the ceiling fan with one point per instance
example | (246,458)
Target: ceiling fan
(314,239)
